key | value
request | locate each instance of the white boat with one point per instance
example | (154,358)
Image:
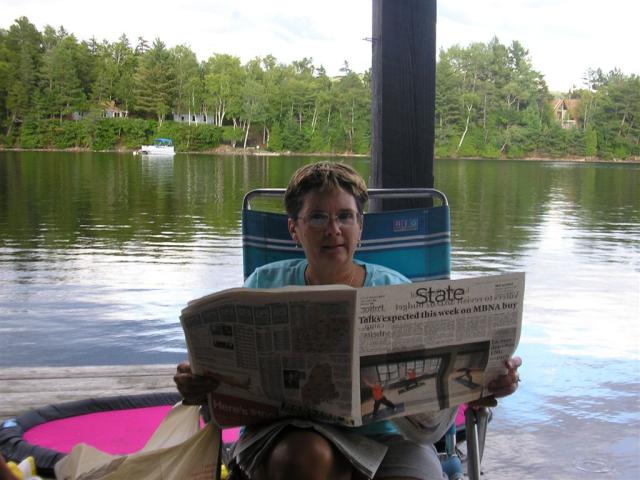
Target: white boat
(160,147)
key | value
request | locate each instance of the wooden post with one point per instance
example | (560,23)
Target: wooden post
(403,96)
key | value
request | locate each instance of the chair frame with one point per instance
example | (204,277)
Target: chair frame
(374,193)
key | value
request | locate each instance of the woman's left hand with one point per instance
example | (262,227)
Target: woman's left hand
(502,386)
(508,383)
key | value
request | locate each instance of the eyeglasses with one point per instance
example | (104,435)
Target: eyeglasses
(344,218)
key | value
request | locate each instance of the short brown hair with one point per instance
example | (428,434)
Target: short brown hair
(324,177)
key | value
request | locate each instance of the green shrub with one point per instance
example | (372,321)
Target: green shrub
(105,134)
(206,137)
(192,137)
(275,138)
(69,134)
(29,134)
(233,136)
(591,142)
(620,152)
(318,142)
(134,132)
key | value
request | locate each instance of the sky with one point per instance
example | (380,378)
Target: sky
(564,38)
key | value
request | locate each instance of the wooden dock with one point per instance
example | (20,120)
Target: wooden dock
(22,389)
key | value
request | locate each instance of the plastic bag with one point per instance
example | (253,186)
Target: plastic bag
(177,450)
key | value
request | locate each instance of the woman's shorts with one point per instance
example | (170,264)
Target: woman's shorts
(389,455)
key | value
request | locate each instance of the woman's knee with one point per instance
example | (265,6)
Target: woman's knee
(305,454)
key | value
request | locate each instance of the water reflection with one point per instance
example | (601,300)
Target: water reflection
(99,252)
(107,238)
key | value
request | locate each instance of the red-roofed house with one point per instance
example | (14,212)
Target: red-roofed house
(565,111)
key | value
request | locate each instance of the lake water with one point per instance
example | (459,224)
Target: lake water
(99,252)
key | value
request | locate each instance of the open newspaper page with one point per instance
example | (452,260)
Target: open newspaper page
(433,345)
(277,353)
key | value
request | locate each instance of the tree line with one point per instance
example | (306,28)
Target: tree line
(490,102)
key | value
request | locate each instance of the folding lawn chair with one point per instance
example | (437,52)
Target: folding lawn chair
(415,242)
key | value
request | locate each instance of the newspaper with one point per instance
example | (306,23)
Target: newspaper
(351,356)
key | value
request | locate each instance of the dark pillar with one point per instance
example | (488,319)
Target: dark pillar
(403,96)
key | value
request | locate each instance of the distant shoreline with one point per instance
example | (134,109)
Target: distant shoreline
(226,150)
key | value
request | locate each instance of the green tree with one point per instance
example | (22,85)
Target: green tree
(253,98)
(155,82)
(126,63)
(106,71)
(62,91)
(448,87)
(489,101)
(323,105)
(223,79)
(189,89)
(272,82)
(4,78)
(353,105)
(24,56)
(591,142)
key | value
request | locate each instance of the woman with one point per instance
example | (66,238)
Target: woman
(325,202)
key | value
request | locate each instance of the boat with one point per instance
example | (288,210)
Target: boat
(160,147)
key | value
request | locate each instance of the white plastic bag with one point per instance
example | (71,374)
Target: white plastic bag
(177,450)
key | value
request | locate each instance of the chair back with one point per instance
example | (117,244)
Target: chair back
(415,242)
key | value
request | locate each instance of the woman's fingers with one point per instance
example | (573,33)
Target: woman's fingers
(498,389)
(184,367)
(508,383)
(514,363)
(193,388)
(195,383)
(488,402)
(195,400)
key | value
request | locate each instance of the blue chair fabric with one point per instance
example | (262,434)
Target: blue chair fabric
(415,242)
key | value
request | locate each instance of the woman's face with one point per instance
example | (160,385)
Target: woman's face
(328,243)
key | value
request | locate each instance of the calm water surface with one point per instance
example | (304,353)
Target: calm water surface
(99,252)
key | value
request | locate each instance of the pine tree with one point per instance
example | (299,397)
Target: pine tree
(155,82)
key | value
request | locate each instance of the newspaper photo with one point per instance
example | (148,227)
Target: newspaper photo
(351,356)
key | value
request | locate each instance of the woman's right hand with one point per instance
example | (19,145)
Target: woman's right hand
(193,388)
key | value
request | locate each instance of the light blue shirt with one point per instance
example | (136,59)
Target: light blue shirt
(291,272)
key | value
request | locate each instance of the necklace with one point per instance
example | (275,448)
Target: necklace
(307,279)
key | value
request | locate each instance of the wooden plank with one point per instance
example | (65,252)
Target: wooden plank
(403,96)
(86,387)
(23,389)
(93,371)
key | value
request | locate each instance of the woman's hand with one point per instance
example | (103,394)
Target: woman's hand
(193,388)
(506,384)
(502,386)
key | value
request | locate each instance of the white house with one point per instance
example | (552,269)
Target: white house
(190,118)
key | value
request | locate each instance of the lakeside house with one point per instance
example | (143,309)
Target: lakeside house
(109,110)
(190,118)
(112,111)
(565,111)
